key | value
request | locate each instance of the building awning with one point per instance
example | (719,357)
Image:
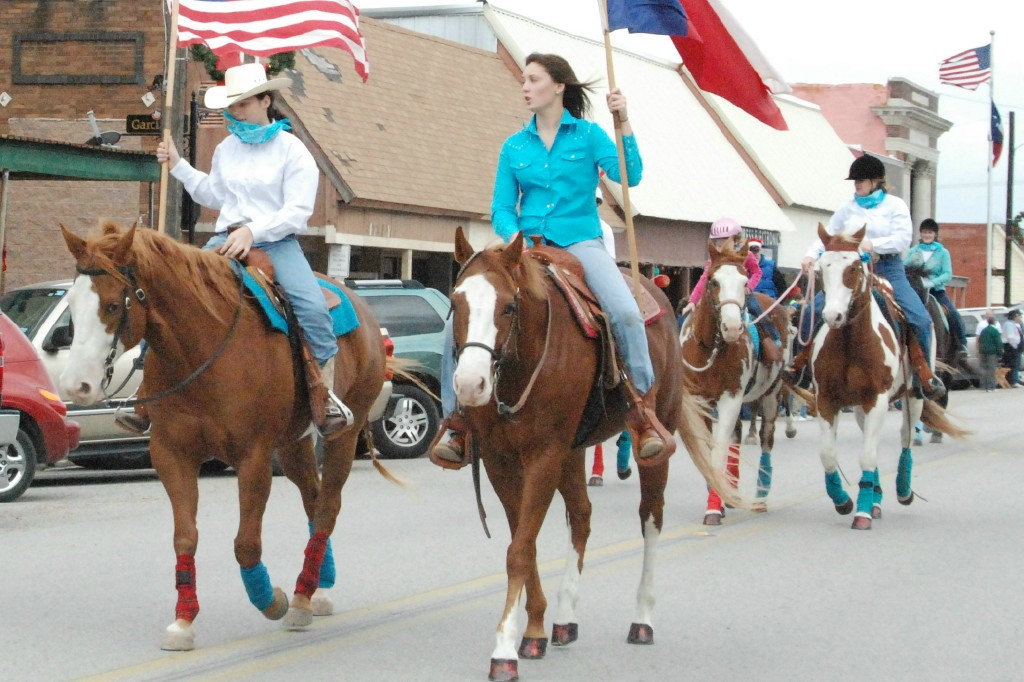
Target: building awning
(31,159)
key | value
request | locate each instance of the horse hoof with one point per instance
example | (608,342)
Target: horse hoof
(322,603)
(861,522)
(876,512)
(640,633)
(936,437)
(625,473)
(277,609)
(179,636)
(751,440)
(533,647)
(651,447)
(759,507)
(845,508)
(504,670)
(298,619)
(906,500)
(562,635)
(790,433)
(713,518)
(595,481)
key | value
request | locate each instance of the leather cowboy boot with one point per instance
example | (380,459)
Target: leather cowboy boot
(448,449)
(931,386)
(652,443)
(137,422)
(771,352)
(337,415)
(793,374)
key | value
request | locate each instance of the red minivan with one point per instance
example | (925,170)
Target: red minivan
(32,410)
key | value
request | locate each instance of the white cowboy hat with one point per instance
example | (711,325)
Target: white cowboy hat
(244,80)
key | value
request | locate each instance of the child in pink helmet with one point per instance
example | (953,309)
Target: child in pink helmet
(728,230)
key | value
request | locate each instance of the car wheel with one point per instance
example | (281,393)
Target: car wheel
(17,467)
(406,432)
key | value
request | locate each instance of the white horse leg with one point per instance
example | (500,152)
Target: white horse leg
(505,657)
(641,631)
(833,483)
(790,425)
(869,495)
(565,629)
(722,431)
(751,438)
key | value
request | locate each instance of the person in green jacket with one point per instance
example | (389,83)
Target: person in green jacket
(933,258)
(990,349)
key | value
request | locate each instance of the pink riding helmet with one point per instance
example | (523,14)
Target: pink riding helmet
(725,227)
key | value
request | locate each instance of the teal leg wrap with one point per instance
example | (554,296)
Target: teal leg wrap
(903,474)
(878,489)
(257,586)
(834,488)
(866,496)
(625,444)
(764,475)
(327,572)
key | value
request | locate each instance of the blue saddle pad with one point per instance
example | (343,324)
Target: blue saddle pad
(755,337)
(343,315)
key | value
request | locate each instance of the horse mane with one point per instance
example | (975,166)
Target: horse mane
(204,275)
(727,256)
(530,275)
(843,241)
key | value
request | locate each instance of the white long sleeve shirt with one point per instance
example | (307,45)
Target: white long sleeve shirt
(888,225)
(1011,333)
(271,187)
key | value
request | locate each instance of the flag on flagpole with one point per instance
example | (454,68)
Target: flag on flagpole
(266,27)
(996,135)
(660,17)
(967,69)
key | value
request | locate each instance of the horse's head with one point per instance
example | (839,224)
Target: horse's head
(727,288)
(486,306)
(103,308)
(843,274)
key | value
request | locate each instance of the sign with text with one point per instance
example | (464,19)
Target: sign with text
(339,260)
(141,124)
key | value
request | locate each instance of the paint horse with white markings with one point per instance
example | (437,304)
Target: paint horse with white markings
(524,374)
(220,382)
(860,359)
(721,364)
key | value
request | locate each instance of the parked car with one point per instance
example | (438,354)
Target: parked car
(974,320)
(43,433)
(41,312)
(414,316)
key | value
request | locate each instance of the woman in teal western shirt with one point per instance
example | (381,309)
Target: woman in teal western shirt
(546,179)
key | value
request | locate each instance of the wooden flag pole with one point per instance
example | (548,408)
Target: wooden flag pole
(627,207)
(172,53)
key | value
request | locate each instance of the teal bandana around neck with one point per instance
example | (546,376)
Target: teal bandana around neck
(870,201)
(253,133)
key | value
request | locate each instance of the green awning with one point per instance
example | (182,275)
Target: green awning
(30,159)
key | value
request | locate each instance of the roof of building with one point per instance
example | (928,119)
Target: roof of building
(691,170)
(33,158)
(424,131)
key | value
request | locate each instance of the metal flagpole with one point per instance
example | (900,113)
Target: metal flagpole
(172,46)
(627,207)
(988,163)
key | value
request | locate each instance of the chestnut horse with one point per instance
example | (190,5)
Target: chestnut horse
(859,360)
(247,401)
(518,345)
(721,365)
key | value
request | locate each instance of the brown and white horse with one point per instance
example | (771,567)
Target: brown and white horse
(859,360)
(721,365)
(227,388)
(519,346)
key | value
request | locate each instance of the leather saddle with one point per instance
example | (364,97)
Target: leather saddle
(566,272)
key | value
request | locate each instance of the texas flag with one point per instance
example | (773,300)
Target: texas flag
(719,55)
(996,134)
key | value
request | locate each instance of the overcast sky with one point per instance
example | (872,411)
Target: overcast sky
(822,41)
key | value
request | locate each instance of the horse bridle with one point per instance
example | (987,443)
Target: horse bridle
(718,342)
(126,275)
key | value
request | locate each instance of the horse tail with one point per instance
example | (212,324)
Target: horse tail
(381,469)
(693,429)
(936,418)
(805,395)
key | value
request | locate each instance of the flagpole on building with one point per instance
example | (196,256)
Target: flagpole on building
(627,207)
(988,164)
(172,47)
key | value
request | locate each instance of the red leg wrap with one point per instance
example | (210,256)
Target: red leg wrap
(732,465)
(310,575)
(714,501)
(598,460)
(185,581)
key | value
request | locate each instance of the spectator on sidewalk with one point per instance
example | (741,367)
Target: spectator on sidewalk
(1012,333)
(990,347)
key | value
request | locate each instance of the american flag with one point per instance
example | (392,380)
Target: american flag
(266,27)
(967,69)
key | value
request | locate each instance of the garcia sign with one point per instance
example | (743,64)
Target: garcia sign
(141,124)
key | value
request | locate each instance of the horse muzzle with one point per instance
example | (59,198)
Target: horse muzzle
(79,388)
(473,389)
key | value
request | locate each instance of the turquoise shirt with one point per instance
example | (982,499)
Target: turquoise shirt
(553,193)
(938,267)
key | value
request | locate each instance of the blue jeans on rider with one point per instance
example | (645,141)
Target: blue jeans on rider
(292,272)
(755,310)
(956,323)
(890,267)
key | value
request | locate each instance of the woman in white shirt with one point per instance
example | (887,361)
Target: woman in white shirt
(264,181)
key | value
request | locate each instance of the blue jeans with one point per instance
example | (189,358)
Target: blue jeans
(755,310)
(956,324)
(913,309)
(292,272)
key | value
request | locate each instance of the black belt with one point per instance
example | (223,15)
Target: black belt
(888,256)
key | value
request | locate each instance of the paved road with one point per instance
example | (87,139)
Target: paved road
(932,592)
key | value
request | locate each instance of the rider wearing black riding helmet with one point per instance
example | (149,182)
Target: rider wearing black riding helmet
(888,233)
(933,258)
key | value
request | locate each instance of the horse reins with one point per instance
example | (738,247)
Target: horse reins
(126,275)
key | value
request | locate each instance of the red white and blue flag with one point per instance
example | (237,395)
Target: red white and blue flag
(719,55)
(996,135)
(266,27)
(967,69)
